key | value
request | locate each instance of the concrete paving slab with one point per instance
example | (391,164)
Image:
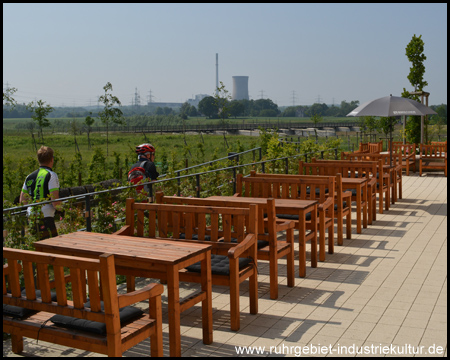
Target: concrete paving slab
(385,287)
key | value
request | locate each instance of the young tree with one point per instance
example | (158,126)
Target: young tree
(316,119)
(222,100)
(39,113)
(414,52)
(371,124)
(89,121)
(8,99)
(74,129)
(30,127)
(110,114)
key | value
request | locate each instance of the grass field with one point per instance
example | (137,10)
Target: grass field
(14,123)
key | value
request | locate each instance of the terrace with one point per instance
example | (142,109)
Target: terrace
(387,285)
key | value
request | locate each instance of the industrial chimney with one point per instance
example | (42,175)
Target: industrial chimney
(240,88)
(217,73)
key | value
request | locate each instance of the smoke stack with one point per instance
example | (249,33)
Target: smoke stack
(217,73)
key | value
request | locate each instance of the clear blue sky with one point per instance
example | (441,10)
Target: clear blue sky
(66,53)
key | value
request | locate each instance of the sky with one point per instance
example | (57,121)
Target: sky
(293,54)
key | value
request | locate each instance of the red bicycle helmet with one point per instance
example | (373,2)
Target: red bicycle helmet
(144,148)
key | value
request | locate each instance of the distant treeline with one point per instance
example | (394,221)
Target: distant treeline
(151,115)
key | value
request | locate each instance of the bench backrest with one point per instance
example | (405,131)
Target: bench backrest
(267,210)
(444,143)
(18,271)
(221,224)
(350,169)
(433,151)
(370,147)
(406,150)
(385,158)
(337,181)
(286,187)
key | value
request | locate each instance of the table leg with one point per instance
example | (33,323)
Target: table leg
(301,244)
(207,318)
(173,296)
(315,223)
(364,186)
(358,209)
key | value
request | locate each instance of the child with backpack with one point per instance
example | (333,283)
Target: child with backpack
(145,167)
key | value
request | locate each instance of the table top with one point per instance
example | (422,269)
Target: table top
(353,181)
(279,203)
(125,248)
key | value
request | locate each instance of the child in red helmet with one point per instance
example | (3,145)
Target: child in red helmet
(145,166)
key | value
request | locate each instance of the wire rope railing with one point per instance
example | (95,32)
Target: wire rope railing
(21,209)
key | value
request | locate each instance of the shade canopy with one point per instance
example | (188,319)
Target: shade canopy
(392,106)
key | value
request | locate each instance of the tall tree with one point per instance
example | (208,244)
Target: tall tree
(39,114)
(110,114)
(236,108)
(207,107)
(414,52)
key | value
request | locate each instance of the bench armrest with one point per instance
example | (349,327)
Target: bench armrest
(239,249)
(284,224)
(124,230)
(145,293)
(347,194)
(329,202)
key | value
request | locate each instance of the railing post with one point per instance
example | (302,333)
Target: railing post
(88,213)
(335,154)
(150,192)
(179,183)
(263,168)
(286,167)
(260,154)
(197,177)
(234,180)
(321,154)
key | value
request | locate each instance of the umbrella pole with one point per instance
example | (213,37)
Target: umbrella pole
(390,142)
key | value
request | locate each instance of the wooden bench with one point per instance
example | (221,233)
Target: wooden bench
(63,322)
(231,262)
(350,169)
(433,157)
(408,155)
(300,189)
(269,247)
(342,207)
(369,147)
(442,143)
(392,171)
(384,184)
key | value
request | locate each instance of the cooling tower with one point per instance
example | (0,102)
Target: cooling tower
(240,88)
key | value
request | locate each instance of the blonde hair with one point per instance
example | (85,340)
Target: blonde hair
(45,155)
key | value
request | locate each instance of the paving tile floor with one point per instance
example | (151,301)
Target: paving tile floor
(384,293)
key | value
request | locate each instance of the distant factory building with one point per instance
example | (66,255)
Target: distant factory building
(197,99)
(240,88)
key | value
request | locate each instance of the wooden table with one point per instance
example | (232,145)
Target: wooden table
(291,207)
(148,258)
(360,184)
